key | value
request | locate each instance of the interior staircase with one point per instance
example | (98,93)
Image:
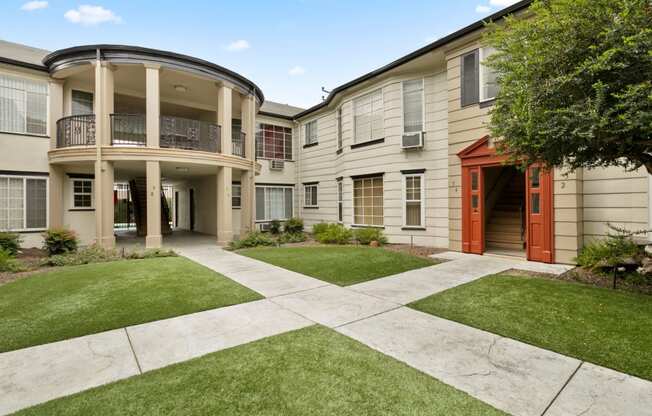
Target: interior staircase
(138,190)
(505,230)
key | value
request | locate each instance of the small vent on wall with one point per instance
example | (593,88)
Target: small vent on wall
(277,165)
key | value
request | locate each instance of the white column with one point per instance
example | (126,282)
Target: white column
(224,116)
(154,239)
(224,208)
(247,189)
(106,178)
(55,110)
(153,104)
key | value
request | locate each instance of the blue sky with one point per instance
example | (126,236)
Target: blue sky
(289,48)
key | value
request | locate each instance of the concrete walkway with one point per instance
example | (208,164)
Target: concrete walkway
(518,378)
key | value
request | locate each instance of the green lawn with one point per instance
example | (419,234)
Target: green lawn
(312,371)
(602,326)
(79,300)
(341,265)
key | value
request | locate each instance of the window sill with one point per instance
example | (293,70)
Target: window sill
(311,207)
(81,209)
(413,228)
(236,207)
(367,143)
(28,231)
(40,136)
(310,145)
(270,159)
(367,226)
(487,103)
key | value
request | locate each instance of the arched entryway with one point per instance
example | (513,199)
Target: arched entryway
(505,209)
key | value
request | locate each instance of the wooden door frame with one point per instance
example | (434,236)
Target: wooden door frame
(481,154)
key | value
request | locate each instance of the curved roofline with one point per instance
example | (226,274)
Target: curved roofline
(413,55)
(62,56)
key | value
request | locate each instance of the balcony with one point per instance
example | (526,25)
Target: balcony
(76,130)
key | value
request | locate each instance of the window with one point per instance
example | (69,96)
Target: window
(339,128)
(479,82)
(23,105)
(310,195)
(82,193)
(82,102)
(340,203)
(236,195)
(413,209)
(311,132)
(368,117)
(488,82)
(273,203)
(23,203)
(273,142)
(368,201)
(413,106)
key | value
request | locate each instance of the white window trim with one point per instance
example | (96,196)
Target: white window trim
(72,193)
(311,185)
(47,107)
(481,70)
(233,186)
(275,187)
(353,223)
(423,104)
(382,96)
(47,202)
(404,200)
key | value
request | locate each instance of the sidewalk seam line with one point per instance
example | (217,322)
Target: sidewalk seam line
(140,370)
(562,389)
(367,317)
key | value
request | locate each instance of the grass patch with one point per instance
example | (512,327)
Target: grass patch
(342,266)
(78,300)
(312,371)
(602,326)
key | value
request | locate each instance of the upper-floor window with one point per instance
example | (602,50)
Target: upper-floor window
(413,106)
(82,102)
(368,117)
(273,142)
(311,132)
(23,203)
(23,105)
(478,80)
(339,128)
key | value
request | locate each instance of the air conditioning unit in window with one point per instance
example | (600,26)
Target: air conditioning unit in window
(264,226)
(277,165)
(412,140)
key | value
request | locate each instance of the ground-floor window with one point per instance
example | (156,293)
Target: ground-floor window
(368,201)
(310,195)
(273,203)
(236,195)
(23,203)
(82,193)
(413,206)
(340,204)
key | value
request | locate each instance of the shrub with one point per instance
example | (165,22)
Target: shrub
(610,251)
(335,234)
(366,235)
(90,254)
(59,241)
(8,263)
(150,254)
(10,242)
(293,226)
(275,227)
(253,239)
(320,228)
(292,238)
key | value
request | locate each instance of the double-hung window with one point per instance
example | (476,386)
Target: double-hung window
(23,203)
(236,195)
(368,114)
(339,128)
(413,197)
(311,132)
(82,193)
(413,106)
(340,201)
(368,201)
(479,82)
(310,199)
(23,105)
(273,203)
(273,142)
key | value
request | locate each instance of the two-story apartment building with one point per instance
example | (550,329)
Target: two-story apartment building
(104,138)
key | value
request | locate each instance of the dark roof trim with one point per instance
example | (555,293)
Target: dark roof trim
(265,113)
(59,57)
(422,51)
(23,64)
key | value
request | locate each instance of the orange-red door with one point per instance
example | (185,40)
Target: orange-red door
(539,213)
(472,210)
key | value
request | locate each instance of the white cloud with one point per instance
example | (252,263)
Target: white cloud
(480,8)
(34,5)
(88,15)
(502,3)
(238,45)
(297,70)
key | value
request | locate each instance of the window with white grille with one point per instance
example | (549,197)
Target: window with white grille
(82,193)
(368,117)
(413,106)
(413,207)
(273,142)
(310,195)
(23,105)
(23,203)
(236,195)
(368,201)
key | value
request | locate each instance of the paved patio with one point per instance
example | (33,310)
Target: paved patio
(518,378)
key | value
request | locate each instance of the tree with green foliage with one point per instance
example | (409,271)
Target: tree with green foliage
(575,82)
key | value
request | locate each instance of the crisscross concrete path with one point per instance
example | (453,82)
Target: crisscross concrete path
(518,378)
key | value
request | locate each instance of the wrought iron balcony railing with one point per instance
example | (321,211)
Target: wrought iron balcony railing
(183,133)
(76,130)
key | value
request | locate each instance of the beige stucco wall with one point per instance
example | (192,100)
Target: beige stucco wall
(322,164)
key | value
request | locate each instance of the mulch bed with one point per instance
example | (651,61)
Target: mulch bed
(31,259)
(419,251)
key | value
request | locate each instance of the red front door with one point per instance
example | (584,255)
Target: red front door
(473,210)
(538,204)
